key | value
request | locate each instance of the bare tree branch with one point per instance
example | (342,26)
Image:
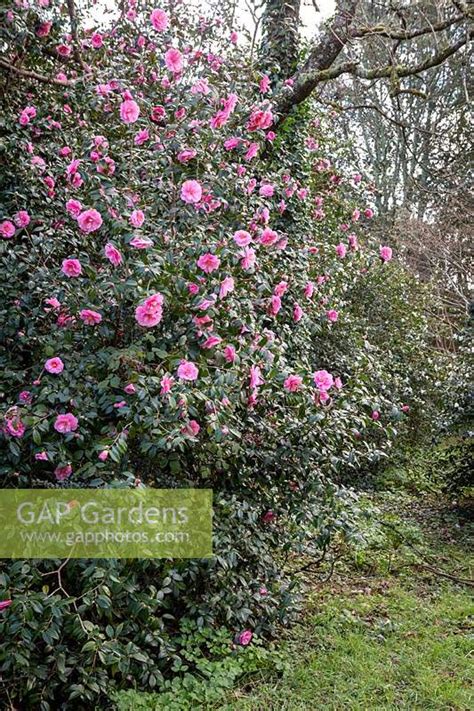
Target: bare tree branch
(75,41)
(399,34)
(307,82)
(6,66)
(322,56)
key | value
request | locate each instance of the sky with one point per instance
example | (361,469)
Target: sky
(309,16)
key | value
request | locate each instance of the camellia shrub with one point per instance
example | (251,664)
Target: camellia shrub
(177,277)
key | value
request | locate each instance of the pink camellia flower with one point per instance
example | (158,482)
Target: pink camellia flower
(166,383)
(26,397)
(71,267)
(268,237)
(191,428)
(137,218)
(41,456)
(353,243)
(129,111)
(90,318)
(28,113)
(157,113)
(385,253)
(252,151)
(255,376)
(309,290)
(141,242)
(249,258)
(341,250)
(269,517)
(120,404)
(103,455)
(39,162)
(74,207)
(260,120)
(130,389)
(244,638)
(174,60)
(405,408)
(293,383)
(113,254)
(149,313)
(375,415)
(264,84)
(193,289)
(64,50)
(211,342)
(53,302)
(297,313)
(323,380)
(227,285)
(186,155)
(251,186)
(242,238)
(207,303)
(187,370)
(64,472)
(266,190)
(229,354)
(202,321)
(4,604)
(201,86)
(369,213)
(44,29)
(338,383)
(160,20)
(252,399)
(21,219)
(97,41)
(208,262)
(332,315)
(231,143)
(281,288)
(141,137)
(15,427)
(89,220)
(66,423)
(7,229)
(191,191)
(275,305)
(54,366)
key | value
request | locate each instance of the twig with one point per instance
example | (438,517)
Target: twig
(318,561)
(427,564)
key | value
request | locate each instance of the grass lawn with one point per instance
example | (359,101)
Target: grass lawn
(384,647)
(384,633)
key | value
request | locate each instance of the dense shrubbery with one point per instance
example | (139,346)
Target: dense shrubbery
(191,299)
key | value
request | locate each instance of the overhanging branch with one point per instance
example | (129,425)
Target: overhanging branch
(400,34)
(7,67)
(308,80)
(322,56)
